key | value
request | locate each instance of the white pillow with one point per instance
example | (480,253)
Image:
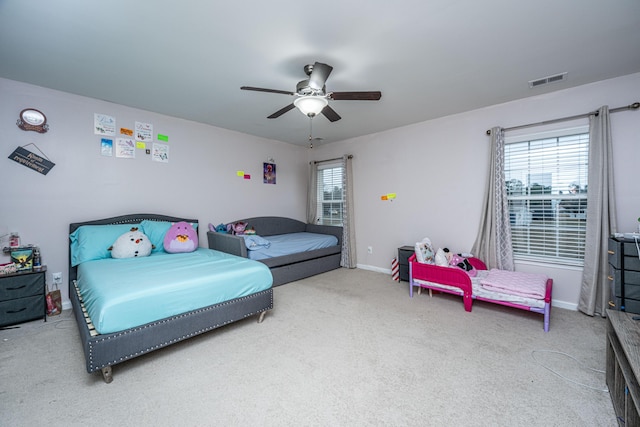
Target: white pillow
(441,258)
(424,251)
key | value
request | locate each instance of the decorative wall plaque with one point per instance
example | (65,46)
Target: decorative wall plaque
(32,119)
(31,160)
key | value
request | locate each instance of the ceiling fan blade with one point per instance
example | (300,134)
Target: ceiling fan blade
(319,75)
(356,96)
(260,89)
(330,114)
(281,111)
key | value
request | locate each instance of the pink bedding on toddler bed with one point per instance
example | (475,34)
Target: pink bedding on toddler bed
(528,285)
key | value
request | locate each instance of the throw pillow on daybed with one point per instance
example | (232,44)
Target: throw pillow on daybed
(181,237)
(134,243)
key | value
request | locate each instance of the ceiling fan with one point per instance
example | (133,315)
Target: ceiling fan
(311,96)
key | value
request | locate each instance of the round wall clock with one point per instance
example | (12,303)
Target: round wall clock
(32,119)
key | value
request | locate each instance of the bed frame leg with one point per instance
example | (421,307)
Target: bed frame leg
(547,312)
(261,317)
(107,375)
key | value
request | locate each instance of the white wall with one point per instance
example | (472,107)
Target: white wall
(198,182)
(439,169)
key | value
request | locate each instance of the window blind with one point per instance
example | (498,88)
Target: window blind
(330,194)
(546,182)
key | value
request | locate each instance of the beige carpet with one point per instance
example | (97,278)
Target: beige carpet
(346,348)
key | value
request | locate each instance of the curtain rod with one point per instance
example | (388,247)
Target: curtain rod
(633,106)
(330,160)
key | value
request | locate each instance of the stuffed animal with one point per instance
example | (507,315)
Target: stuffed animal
(131,244)
(237,228)
(220,228)
(250,231)
(457,260)
(424,251)
(181,237)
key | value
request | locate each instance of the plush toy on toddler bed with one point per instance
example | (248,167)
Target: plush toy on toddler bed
(424,251)
(457,260)
(181,237)
(131,244)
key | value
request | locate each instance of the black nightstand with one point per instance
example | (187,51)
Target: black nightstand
(22,296)
(404,253)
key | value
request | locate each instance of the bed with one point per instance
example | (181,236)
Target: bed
(223,289)
(455,281)
(286,265)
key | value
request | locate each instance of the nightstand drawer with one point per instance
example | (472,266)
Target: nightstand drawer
(20,286)
(21,309)
(404,253)
(404,273)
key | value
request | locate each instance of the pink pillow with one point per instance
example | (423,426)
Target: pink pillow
(181,237)
(461,262)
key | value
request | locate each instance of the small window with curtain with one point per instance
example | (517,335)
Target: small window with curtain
(330,194)
(546,183)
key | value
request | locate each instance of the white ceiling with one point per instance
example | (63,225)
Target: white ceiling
(430,58)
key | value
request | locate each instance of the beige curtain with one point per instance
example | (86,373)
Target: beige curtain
(493,242)
(601,216)
(348,259)
(312,194)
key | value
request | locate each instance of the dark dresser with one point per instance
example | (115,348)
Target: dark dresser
(22,297)
(404,253)
(624,274)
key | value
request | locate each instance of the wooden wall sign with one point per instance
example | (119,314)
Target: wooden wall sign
(32,160)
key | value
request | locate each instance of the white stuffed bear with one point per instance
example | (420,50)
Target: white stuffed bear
(131,244)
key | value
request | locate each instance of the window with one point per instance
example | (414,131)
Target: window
(330,194)
(546,182)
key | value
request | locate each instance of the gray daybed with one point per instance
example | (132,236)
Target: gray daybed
(286,268)
(102,351)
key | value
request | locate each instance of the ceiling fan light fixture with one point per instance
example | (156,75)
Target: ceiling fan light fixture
(311,105)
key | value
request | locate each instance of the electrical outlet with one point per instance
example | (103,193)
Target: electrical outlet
(57,278)
(369,249)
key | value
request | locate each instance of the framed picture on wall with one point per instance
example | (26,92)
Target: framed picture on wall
(269,173)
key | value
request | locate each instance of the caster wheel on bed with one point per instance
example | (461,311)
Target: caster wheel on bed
(106,374)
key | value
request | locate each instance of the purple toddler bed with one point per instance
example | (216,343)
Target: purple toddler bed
(457,282)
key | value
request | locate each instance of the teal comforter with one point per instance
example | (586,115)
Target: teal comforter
(119,294)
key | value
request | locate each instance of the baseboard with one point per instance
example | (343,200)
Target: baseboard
(554,303)
(373,268)
(565,305)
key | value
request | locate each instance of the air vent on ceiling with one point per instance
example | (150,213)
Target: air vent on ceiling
(546,80)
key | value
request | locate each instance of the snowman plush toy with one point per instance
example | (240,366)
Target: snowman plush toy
(132,244)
